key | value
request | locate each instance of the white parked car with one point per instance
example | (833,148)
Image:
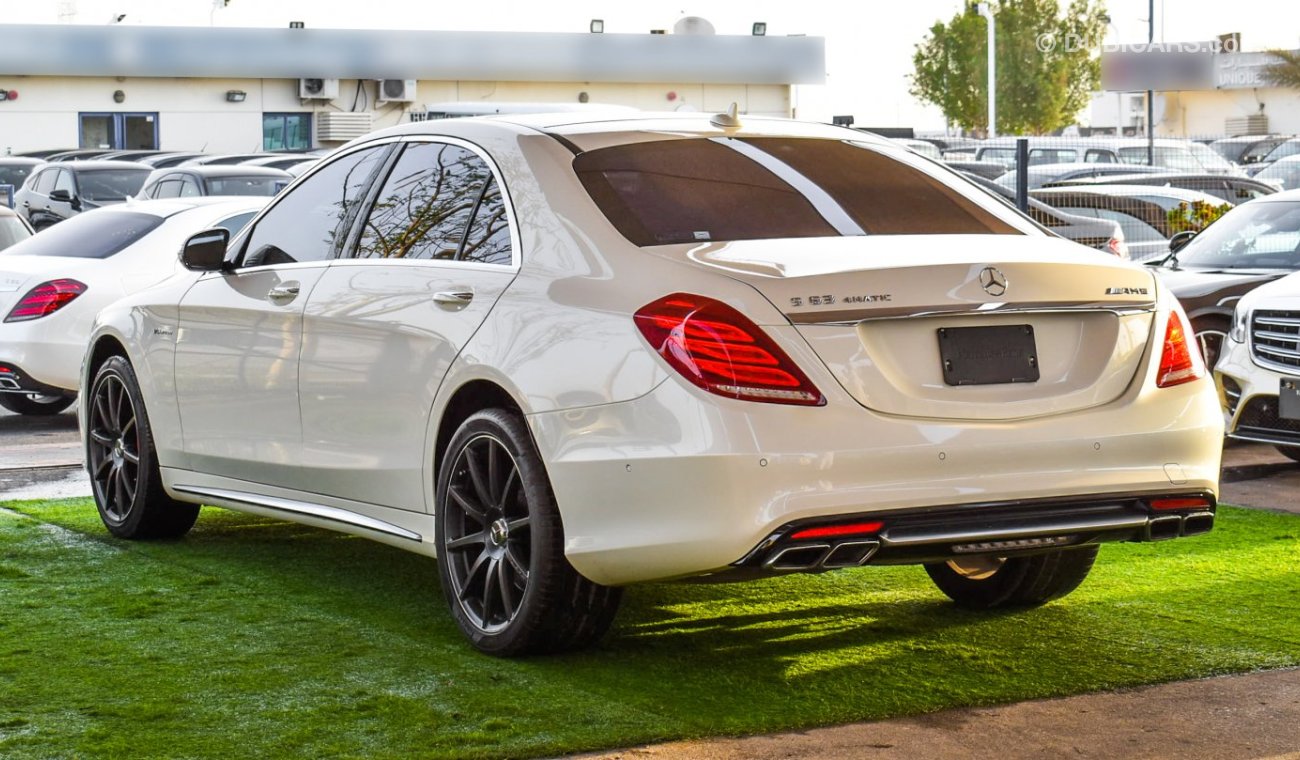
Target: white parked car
(567,353)
(53,284)
(1259,370)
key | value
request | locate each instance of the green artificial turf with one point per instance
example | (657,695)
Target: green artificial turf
(257,638)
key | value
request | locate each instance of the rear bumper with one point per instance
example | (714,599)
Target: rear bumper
(13,379)
(678,483)
(941,534)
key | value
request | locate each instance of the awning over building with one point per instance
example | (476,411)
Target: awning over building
(206,52)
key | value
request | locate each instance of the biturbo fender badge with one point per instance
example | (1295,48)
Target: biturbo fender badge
(993,281)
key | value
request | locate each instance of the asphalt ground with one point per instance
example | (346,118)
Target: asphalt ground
(1247,716)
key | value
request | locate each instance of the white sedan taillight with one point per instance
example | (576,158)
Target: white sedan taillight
(1177,364)
(720,350)
(45,299)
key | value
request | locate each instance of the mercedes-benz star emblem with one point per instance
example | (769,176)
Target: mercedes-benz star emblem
(993,281)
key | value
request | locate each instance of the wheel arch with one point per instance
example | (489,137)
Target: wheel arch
(473,396)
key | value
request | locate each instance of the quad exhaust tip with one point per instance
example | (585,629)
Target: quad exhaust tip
(802,558)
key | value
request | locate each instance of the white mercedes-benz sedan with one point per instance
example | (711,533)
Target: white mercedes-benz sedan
(565,354)
(53,284)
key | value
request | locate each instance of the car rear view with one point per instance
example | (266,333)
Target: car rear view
(867,364)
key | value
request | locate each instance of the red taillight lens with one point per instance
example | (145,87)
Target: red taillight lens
(834,531)
(1177,365)
(44,299)
(720,350)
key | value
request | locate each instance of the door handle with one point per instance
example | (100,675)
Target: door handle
(283,292)
(453,297)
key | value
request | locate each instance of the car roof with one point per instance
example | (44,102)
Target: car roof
(1126,190)
(93,165)
(670,125)
(1283,197)
(171,206)
(224,170)
(20,161)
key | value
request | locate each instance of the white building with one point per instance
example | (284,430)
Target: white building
(236,90)
(1234,99)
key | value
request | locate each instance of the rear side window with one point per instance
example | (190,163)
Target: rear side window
(89,236)
(707,189)
(243,185)
(424,208)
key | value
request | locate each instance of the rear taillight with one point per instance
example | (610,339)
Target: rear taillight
(45,299)
(718,349)
(1177,365)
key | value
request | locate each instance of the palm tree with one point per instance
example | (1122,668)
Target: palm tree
(1286,72)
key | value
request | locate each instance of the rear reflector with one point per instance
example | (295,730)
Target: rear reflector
(44,299)
(833,531)
(1193,502)
(720,350)
(1177,365)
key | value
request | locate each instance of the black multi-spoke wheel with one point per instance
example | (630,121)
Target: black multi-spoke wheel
(36,404)
(1211,336)
(120,457)
(500,546)
(1026,581)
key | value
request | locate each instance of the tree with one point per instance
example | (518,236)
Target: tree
(1286,72)
(1046,67)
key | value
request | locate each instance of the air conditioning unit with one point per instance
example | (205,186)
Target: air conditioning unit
(318,89)
(396,91)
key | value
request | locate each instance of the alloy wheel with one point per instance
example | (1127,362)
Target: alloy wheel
(488,536)
(114,443)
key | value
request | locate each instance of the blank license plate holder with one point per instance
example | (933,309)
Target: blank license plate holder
(989,355)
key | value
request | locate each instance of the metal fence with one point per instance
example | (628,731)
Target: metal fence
(1149,189)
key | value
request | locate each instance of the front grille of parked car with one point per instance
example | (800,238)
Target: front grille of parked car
(1275,338)
(1259,421)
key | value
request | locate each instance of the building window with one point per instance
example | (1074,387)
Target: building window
(286,131)
(119,131)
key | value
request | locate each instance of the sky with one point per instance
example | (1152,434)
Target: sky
(869,45)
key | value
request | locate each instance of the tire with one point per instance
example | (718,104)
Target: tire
(1211,335)
(122,461)
(1290,452)
(35,404)
(988,583)
(501,547)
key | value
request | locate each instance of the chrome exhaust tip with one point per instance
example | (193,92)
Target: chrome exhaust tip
(1200,522)
(1164,528)
(850,554)
(797,558)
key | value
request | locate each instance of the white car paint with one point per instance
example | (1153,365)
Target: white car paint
(327,408)
(50,349)
(1251,372)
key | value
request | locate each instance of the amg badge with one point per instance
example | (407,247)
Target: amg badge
(1126,291)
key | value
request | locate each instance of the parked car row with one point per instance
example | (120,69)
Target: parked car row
(62,185)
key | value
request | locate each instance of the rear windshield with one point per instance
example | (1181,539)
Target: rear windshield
(725,188)
(245,185)
(110,184)
(92,235)
(15,175)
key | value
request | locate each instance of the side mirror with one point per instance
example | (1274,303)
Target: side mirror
(63,196)
(1180,240)
(206,251)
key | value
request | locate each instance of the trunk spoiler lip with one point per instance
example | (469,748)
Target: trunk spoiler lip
(846,317)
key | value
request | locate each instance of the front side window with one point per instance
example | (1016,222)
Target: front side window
(63,181)
(44,181)
(425,205)
(170,188)
(711,189)
(312,222)
(1265,234)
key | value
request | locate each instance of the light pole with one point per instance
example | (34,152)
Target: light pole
(984,10)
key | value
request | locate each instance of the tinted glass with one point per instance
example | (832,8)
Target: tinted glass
(692,190)
(1135,230)
(14,175)
(63,181)
(236,223)
(312,222)
(110,184)
(1263,235)
(96,235)
(488,238)
(1285,173)
(425,204)
(11,231)
(169,189)
(190,188)
(1288,148)
(1173,158)
(243,185)
(45,181)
